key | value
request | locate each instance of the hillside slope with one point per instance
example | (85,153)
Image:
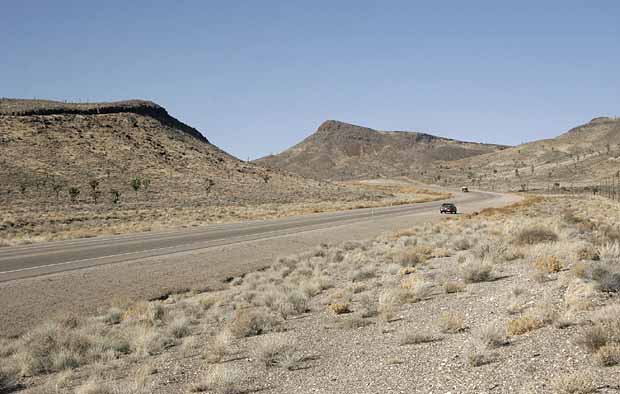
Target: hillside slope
(67,165)
(585,155)
(340,151)
(48,143)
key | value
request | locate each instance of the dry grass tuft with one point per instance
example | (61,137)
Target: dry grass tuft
(491,336)
(221,380)
(218,347)
(247,323)
(411,256)
(179,327)
(535,235)
(416,338)
(608,355)
(451,322)
(474,271)
(340,308)
(548,264)
(271,350)
(574,383)
(523,324)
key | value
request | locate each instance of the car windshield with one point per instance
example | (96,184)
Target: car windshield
(448,205)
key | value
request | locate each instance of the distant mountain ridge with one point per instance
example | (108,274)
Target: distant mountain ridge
(342,151)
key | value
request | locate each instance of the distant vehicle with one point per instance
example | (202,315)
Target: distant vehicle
(464,189)
(447,208)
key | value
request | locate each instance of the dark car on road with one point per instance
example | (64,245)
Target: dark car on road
(447,208)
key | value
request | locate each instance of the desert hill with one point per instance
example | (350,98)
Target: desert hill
(340,151)
(46,143)
(64,166)
(585,155)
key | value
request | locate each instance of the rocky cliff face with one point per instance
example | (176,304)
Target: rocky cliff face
(17,107)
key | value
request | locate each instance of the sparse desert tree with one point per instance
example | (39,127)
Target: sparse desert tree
(74,192)
(146,185)
(94,189)
(57,187)
(116,196)
(136,184)
(209,183)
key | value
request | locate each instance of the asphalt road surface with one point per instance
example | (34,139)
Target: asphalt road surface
(52,257)
(84,276)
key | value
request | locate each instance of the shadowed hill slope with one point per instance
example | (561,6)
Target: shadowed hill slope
(340,151)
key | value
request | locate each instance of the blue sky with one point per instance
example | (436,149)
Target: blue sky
(258,76)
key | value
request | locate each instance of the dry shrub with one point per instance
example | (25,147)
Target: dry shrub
(603,333)
(535,235)
(587,253)
(491,336)
(207,302)
(221,380)
(362,274)
(247,323)
(271,350)
(113,316)
(415,338)
(411,256)
(368,306)
(417,291)
(548,264)
(389,301)
(218,347)
(523,324)
(451,322)
(474,271)
(461,243)
(95,386)
(340,308)
(406,271)
(607,276)
(151,313)
(478,357)
(574,383)
(146,341)
(609,252)
(608,355)
(179,327)
(580,270)
(54,347)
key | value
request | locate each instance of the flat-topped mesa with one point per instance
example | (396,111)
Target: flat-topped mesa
(19,107)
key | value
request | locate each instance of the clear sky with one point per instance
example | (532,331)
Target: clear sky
(258,76)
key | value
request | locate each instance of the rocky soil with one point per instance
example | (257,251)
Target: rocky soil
(513,300)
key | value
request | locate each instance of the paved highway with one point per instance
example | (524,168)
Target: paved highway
(53,257)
